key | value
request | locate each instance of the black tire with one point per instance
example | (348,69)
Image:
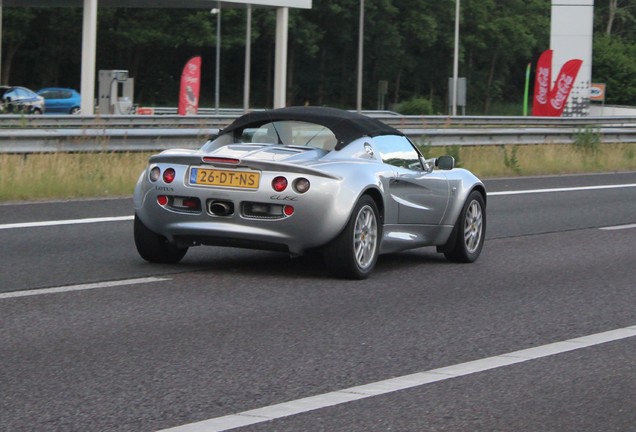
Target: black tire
(155,248)
(467,240)
(75,110)
(354,253)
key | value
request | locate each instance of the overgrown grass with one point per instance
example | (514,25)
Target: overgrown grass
(64,175)
(77,175)
(529,160)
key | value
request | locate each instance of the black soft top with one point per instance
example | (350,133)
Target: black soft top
(345,125)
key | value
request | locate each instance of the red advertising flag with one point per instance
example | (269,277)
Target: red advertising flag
(562,87)
(190,86)
(542,82)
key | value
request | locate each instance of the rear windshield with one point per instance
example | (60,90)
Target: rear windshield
(292,133)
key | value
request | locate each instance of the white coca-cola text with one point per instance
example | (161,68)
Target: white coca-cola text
(564,84)
(543,78)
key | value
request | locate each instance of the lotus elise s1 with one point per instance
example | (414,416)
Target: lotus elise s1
(297,179)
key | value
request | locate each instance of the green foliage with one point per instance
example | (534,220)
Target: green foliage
(587,141)
(499,108)
(454,151)
(615,65)
(415,106)
(616,17)
(614,51)
(408,43)
(425,147)
(497,46)
(511,161)
(32,53)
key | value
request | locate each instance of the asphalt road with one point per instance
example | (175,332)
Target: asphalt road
(122,345)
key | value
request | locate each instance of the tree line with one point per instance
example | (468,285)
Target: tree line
(407,43)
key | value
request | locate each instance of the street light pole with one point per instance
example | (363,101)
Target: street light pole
(217,11)
(89,54)
(248,59)
(456,58)
(0,42)
(360,56)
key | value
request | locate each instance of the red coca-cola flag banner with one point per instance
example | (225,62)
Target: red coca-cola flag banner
(562,87)
(190,86)
(542,82)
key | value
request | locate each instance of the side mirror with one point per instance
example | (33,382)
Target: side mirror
(445,162)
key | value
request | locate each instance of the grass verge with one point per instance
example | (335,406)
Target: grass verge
(69,175)
(78,175)
(547,159)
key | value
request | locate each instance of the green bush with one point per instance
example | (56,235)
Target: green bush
(588,141)
(454,151)
(511,161)
(415,106)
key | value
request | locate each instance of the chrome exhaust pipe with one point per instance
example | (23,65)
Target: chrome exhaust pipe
(221,208)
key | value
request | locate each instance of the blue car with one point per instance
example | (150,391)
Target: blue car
(60,100)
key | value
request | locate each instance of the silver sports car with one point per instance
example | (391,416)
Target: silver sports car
(309,178)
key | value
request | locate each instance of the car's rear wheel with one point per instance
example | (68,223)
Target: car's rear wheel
(467,240)
(154,247)
(354,253)
(75,110)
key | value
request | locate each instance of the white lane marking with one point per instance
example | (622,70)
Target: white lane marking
(299,406)
(66,222)
(82,287)
(618,227)
(570,189)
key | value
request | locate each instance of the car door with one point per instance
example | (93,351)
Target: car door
(51,101)
(421,195)
(62,101)
(12,99)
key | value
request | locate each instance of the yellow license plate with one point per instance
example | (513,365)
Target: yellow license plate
(225,178)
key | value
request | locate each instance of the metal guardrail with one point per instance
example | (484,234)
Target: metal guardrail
(93,140)
(519,136)
(227,116)
(37,134)
(114,121)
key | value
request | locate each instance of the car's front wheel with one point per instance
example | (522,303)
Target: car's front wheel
(467,240)
(154,247)
(354,253)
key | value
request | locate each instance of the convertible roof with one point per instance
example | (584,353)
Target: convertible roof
(345,125)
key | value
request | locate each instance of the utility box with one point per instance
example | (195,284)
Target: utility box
(383,89)
(116,92)
(461,93)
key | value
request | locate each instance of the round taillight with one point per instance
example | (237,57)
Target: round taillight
(301,185)
(168,175)
(279,184)
(288,210)
(154,174)
(162,200)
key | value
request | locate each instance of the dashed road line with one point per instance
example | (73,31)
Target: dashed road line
(65,222)
(618,227)
(82,287)
(569,189)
